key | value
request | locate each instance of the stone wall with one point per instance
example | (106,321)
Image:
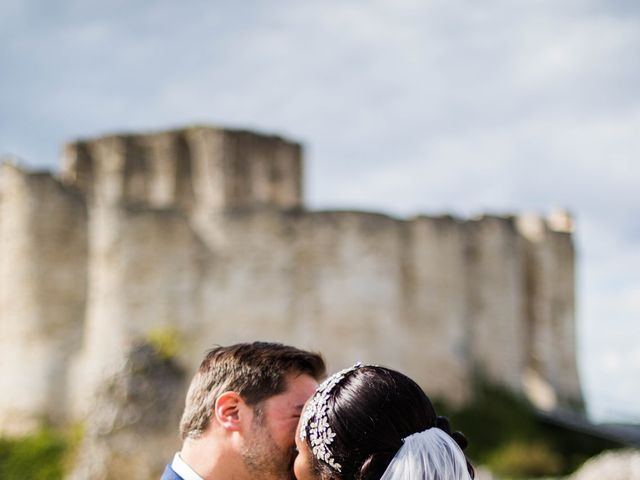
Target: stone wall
(496,297)
(203,232)
(550,304)
(121,439)
(43,295)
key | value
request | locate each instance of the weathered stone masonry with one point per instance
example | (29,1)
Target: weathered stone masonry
(204,231)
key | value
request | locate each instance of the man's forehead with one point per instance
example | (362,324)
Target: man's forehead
(300,387)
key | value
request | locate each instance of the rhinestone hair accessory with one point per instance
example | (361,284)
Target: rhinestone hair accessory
(314,418)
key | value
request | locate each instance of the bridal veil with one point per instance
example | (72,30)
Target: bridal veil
(428,455)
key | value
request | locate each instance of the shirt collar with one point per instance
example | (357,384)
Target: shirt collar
(181,468)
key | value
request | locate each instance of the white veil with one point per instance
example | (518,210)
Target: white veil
(428,455)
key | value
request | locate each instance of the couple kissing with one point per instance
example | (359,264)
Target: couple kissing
(255,411)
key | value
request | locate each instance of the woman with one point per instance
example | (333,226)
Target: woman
(373,423)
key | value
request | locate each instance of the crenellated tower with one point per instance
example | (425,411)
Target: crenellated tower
(199,167)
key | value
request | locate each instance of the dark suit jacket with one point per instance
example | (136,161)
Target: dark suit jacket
(169,474)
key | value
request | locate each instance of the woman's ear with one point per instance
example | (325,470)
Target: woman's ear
(227,411)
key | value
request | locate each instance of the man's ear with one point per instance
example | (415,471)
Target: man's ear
(228,409)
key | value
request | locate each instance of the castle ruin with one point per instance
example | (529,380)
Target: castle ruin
(204,232)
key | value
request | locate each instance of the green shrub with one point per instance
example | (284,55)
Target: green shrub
(494,419)
(522,460)
(37,457)
(505,434)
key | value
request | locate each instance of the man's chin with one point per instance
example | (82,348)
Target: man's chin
(287,475)
(290,475)
(284,472)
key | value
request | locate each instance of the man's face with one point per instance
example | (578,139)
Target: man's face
(270,448)
(303,465)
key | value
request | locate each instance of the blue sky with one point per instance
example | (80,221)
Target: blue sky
(404,106)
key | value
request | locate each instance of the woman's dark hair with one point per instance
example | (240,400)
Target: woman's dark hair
(371,410)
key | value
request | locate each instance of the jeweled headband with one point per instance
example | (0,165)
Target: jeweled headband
(314,418)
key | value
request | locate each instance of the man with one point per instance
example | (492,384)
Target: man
(241,413)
